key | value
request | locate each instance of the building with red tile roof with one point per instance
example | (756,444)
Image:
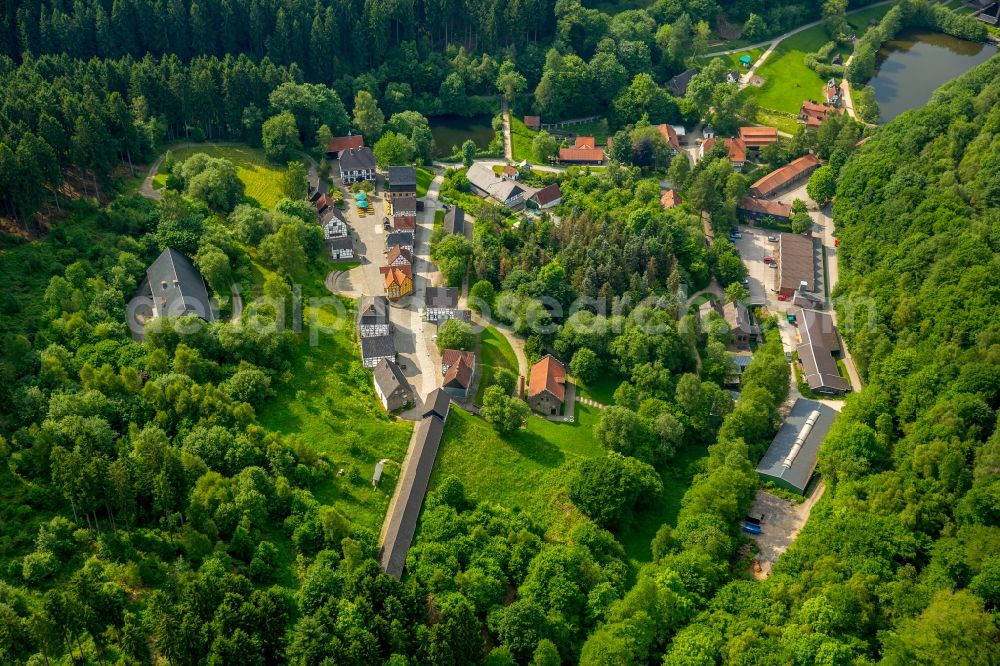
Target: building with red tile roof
(338,144)
(758,137)
(787,175)
(547,385)
(670,199)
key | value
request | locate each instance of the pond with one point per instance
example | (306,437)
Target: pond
(916,63)
(451,131)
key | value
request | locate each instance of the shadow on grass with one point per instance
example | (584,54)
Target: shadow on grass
(538,449)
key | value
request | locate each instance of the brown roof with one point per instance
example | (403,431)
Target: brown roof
(339,143)
(396,252)
(510,171)
(755,137)
(548,194)
(396,275)
(781,177)
(737,150)
(796,262)
(813,114)
(548,374)
(581,154)
(322,202)
(670,198)
(737,317)
(584,142)
(404,222)
(532,121)
(809,105)
(460,366)
(764,207)
(670,136)
(452,356)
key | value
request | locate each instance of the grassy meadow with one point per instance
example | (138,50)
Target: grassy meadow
(494,352)
(260,177)
(526,470)
(328,400)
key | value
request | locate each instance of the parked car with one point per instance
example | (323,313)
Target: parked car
(773,239)
(769,260)
(774,265)
(782,297)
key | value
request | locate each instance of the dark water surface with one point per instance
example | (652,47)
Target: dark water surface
(450,131)
(916,63)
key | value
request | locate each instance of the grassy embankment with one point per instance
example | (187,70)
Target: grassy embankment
(329,401)
(424,178)
(494,352)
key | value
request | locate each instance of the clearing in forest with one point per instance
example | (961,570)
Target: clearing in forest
(261,178)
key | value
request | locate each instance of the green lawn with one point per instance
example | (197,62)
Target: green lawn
(787,80)
(330,403)
(781,120)
(637,537)
(860,20)
(602,390)
(595,128)
(734,58)
(424,178)
(494,352)
(261,178)
(522,139)
(525,470)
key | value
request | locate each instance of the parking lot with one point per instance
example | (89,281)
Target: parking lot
(761,278)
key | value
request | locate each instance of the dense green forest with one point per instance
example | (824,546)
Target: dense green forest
(155,509)
(73,75)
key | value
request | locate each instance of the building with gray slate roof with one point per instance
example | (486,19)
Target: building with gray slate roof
(454,222)
(818,352)
(357,164)
(791,458)
(401,522)
(373,316)
(376,348)
(403,239)
(173,287)
(402,181)
(393,390)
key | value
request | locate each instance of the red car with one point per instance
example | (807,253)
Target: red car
(782,297)
(768,260)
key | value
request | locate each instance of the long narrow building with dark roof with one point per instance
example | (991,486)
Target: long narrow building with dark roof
(401,521)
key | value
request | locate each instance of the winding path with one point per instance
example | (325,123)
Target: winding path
(771,43)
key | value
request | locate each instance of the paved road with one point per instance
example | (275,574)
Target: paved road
(823,219)
(146,189)
(508,146)
(417,354)
(495,162)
